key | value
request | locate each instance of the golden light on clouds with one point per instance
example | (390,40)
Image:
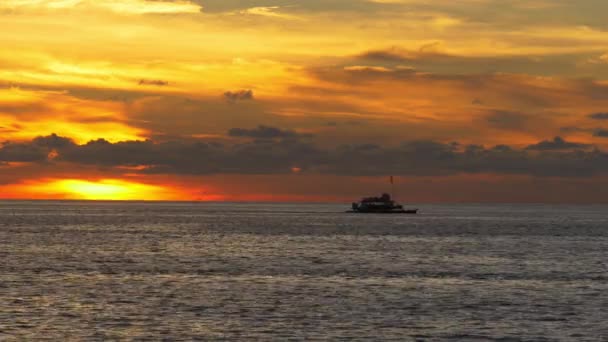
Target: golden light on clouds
(26,114)
(158,75)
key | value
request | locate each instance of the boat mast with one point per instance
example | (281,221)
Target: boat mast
(393,188)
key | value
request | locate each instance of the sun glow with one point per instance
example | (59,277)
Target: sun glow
(104,189)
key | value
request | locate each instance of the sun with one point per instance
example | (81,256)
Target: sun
(111,189)
(103,189)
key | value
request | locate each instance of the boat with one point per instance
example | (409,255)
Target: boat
(380,205)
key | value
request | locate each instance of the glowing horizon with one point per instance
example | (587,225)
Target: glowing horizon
(102,189)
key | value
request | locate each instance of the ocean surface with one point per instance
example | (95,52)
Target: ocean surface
(204,271)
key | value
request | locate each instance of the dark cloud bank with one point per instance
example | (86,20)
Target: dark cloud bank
(599,116)
(557,144)
(266,132)
(268,150)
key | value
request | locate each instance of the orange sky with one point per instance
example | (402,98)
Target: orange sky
(327,94)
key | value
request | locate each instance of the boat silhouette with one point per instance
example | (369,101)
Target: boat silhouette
(380,205)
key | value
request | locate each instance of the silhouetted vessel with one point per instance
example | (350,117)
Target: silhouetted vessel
(380,205)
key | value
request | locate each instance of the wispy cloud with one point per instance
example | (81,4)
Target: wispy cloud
(119,6)
(269,11)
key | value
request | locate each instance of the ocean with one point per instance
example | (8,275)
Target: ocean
(229,271)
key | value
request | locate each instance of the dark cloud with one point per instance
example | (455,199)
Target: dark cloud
(573,129)
(158,83)
(195,157)
(265,132)
(523,93)
(596,132)
(35,151)
(417,158)
(507,120)
(7,130)
(601,133)
(599,116)
(81,92)
(53,141)
(430,58)
(239,95)
(314,6)
(21,108)
(23,152)
(557,144)
(387,56)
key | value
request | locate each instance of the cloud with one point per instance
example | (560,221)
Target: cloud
(17,152)
(268,11)
(118,6)
(397,55)
(239,95)
(311,6)
(557,144)
(37,150)
(150,7)
(557,158)
(601,133)
(53,141)
(599,116)
(20,108)
(507,120)
(532,107)
(265,132)
(433,58)
(596,132)
(366,68)
(159,83)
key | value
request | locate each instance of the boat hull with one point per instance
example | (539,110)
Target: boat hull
(403,211)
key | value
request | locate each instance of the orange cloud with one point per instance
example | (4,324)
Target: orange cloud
(25,114)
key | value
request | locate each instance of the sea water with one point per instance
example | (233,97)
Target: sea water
(208,271)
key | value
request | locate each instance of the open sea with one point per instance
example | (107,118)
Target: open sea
(204,271)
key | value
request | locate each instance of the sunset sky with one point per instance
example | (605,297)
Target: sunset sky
(315,100)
